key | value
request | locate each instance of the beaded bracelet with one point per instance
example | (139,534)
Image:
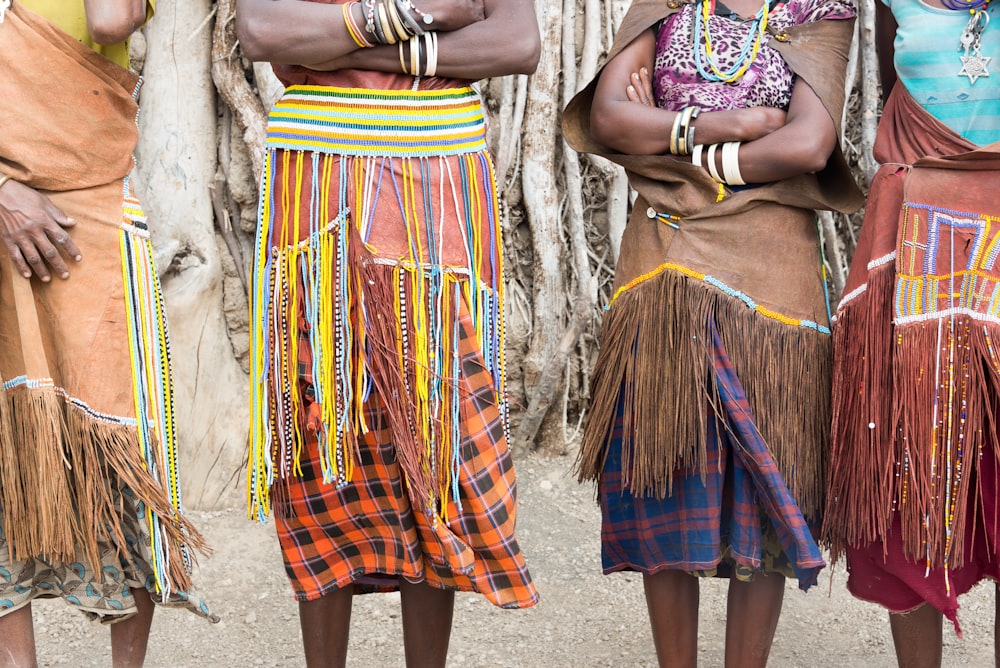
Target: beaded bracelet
(352,27)
(387,22)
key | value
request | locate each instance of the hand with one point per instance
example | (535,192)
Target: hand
(450,14)
(641,88)
(34,232)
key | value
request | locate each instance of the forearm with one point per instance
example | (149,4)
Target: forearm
(803,145)
(505,42)
(460,56)
(293,32)
(637,129)
(112,21)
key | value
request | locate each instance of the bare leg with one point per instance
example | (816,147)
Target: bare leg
(326,625)
(427,614)
(672,602)
(130,637)
(917,637)
(751,618)
(17,640)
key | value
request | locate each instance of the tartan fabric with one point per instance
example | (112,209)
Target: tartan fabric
(720,522)
(368,533)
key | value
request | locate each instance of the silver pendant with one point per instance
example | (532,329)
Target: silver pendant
(975,66)
(974,63)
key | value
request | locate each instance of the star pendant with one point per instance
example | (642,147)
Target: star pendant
(975,67)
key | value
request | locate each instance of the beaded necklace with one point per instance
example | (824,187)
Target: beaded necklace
(704,54)
(974,63)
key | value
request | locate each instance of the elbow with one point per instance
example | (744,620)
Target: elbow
(602,128)
(819,157)
(115,27)
(253,35)
(521,56)
(531,53)
(608,129)
(812,153)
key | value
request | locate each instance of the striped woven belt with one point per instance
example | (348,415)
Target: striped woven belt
(361,122)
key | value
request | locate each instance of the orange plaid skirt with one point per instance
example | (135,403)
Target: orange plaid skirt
(371,532)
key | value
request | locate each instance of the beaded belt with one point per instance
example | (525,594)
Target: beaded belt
(362,122)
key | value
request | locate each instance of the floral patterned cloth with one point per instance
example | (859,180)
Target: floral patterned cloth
(106,596)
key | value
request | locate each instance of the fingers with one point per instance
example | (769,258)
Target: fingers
(641,88)
(647,86)
(64,242)
(15,255)
(35,234)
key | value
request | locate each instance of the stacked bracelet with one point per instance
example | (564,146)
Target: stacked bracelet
(387,22)
(682,131)
(731,175)
(352,26)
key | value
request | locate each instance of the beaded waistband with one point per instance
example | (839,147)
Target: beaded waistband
(361,122)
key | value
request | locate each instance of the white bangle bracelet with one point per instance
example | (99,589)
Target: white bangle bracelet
(712,169)
(432,53)
(696,155)
(731,163)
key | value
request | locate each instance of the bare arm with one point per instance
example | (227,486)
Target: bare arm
(112,21)
(474,40)
(885,35)
(505,42)
(801,146)
(632,127)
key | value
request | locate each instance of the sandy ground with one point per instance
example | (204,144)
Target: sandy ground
(584,619)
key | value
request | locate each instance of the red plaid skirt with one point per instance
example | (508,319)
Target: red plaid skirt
(370,532)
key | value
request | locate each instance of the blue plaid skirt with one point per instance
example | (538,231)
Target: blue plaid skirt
(739,519)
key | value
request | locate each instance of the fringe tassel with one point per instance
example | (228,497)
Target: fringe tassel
(59,460)
(35,487)
(784,369)
(902,436)
(371,323)
(158,486)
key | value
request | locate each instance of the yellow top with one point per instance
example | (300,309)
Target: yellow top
(72,18)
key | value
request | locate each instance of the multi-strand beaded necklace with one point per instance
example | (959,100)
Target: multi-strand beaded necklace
(704,54)
(974,63)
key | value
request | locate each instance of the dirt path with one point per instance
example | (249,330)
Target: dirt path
(585,619)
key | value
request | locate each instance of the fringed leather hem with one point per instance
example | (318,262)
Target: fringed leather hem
(914,407)
(57,468)
(656,359)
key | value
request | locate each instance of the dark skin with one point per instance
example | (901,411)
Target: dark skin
(33,230)
(917,634)
(476,39)
(776,145)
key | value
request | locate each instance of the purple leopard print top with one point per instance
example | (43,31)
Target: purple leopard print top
(768,81)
